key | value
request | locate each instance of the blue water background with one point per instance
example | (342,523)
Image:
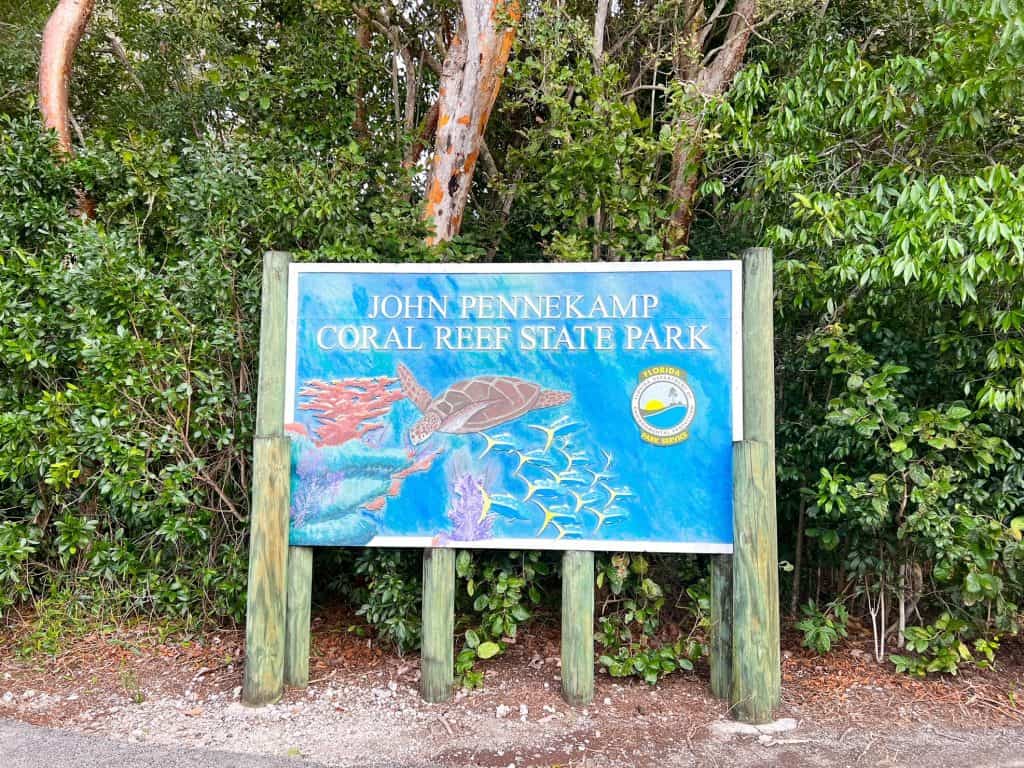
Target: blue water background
(676,494)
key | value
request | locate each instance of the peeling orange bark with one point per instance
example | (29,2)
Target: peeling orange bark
(470,81)
(63,32)
(61,36)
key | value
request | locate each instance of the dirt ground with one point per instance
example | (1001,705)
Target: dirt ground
(362,707)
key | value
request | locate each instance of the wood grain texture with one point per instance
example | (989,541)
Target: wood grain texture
(721,625)
(273,338)
(756,673)
(268,550)
(755,661)
(296,637)
(578,627)
(268,539)
(758,347)
(437,654)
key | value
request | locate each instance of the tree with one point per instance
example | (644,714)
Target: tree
(61,37)
(876,148)
(470,80)
(707,58)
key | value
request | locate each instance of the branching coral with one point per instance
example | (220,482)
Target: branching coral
(469,511)
(341,479)
(349,408)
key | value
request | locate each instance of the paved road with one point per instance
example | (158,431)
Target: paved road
(28,746)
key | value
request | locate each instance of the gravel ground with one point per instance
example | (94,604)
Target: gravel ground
(388,725)
(141,699)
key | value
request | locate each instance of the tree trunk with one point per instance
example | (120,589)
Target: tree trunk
(61,36)
(363,40)
(470,81)
(707,75)
(597,51)
(600,19)
(794,600)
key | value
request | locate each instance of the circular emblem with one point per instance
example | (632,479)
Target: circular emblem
(663,405)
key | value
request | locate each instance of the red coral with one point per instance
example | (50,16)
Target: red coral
(420,465)
(349,408)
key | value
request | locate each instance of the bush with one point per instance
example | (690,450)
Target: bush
(823,629)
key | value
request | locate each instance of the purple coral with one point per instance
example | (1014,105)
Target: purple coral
(468,512)
(317,483)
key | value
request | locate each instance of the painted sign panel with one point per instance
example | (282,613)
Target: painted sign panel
(514,406)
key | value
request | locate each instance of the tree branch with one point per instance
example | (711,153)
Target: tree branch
(117,47)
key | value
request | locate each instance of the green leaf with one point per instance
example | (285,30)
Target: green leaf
(487,650)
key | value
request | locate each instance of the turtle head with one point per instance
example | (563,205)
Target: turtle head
(424,428)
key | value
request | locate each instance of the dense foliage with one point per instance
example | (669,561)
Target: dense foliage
(877,149)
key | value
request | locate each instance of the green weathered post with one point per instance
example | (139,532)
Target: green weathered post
(437,654)
(578,627)
(756,673)
(721,625)
(265,609)
(300,583)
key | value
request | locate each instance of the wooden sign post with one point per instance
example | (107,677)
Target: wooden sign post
(756,663)
(268,539)
(437,654)
(346,338)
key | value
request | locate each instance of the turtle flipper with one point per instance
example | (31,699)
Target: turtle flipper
(455,424)
(412,388)
(552,397)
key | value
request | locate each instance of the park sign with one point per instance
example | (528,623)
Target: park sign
(516,406)
(578,407)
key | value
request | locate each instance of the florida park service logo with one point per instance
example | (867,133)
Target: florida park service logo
(663,405)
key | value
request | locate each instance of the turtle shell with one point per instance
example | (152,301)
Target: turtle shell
(502,397)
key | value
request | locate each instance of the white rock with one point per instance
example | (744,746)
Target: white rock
(607,701)
(237,692)
(781,725)
(524,710)
(73,697)
(392,686)
(383,693)
(727,729)
(8,697)
(502,710)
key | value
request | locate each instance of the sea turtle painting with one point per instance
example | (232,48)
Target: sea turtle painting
(474,405)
